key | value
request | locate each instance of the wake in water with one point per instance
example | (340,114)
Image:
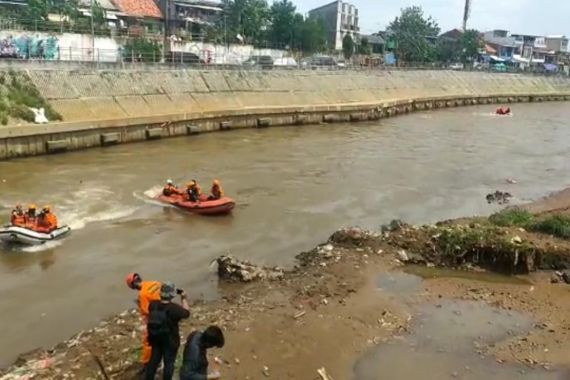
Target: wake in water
(80,208)
(90,206)
(149,195)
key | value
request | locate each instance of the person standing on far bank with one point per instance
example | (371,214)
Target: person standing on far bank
(163,331)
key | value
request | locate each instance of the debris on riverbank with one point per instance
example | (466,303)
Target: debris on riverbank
(268,311)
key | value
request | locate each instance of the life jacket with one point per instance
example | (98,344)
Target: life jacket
(171,190)
(150,291)
(217,192)
(18,218)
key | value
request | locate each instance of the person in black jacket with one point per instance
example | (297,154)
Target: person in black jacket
(194,359)
(163,331)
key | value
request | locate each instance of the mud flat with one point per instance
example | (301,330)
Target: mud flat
(468,299)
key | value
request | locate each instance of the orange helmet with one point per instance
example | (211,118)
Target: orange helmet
(31,206)
(216,182)
(131,279)
(47,208)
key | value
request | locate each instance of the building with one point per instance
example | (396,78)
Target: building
(376,43)
(187,18)
(500,43)
(557,43)
(340,18)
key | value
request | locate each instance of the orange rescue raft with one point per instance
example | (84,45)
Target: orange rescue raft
(220,206)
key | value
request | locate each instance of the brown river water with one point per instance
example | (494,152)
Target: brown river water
(294,186)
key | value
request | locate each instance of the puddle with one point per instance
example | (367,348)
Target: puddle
(398,282)
(427,273)
(443,345)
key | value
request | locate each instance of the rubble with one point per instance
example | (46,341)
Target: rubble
(500,197)
(232,269)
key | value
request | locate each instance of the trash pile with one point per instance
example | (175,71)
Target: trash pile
(499,197)
(235,270)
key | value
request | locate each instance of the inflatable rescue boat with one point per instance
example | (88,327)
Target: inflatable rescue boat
(220,206)
(22,235)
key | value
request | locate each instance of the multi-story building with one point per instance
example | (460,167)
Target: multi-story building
(501,42)
(340,18)
(187,18)
(557,43)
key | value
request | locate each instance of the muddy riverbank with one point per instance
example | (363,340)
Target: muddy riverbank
(349,306)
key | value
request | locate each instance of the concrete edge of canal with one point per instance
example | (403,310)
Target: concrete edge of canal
(234,107)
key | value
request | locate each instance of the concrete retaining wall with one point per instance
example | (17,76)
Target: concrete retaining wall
(141,105)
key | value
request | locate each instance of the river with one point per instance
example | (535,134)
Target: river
(293,186)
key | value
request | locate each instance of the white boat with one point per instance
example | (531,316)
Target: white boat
(21,235)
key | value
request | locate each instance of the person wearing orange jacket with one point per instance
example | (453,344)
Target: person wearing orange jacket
(18,218)
(148,291)
(47,221)
(216,192)
(31,216)
(170,190)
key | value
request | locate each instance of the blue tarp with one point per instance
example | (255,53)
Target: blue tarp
(550,67)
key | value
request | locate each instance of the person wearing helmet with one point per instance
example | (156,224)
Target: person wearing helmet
(47,221)
(18,217)
(193,191)
(31,217)
(148,291)
(170,190)
(216,192)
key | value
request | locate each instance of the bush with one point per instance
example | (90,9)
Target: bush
(512,217)
(20,111)
(556,225)
(4,119)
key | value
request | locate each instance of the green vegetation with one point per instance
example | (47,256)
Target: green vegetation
(347,46)
(17,95)
(512,217)
(141,50)
(487,246)
(555,225)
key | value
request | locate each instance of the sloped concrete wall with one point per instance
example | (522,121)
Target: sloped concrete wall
(124,94)
(103,107)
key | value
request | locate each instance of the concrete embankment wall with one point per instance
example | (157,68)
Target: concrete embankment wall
(105,108)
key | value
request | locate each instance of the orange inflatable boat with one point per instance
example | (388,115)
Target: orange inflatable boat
(220,206)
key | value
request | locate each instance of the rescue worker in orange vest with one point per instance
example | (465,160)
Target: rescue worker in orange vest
(193,191)
(170,189)
(148,291)
(216,192)
(47,221)
(31,217)
(18,218)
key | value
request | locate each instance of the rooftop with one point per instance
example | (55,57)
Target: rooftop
(139,8)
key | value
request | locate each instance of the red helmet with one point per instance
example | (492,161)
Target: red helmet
(131,279)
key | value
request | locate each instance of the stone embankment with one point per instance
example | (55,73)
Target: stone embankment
(102,108)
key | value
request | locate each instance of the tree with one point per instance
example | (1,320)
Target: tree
(284,20)
(99,14)
(364,48)
(311,34)
(414,35)
(448,50)
(247,18)
(37,10)
(347,46)
(470,43)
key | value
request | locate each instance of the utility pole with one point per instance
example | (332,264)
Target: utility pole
(466,13)
(92,31)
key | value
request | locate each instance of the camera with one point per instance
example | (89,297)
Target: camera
(179,291)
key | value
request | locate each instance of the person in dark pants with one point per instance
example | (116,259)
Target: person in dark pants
(194,359)
(163,331)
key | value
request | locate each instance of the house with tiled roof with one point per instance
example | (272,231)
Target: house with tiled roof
(139,8)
